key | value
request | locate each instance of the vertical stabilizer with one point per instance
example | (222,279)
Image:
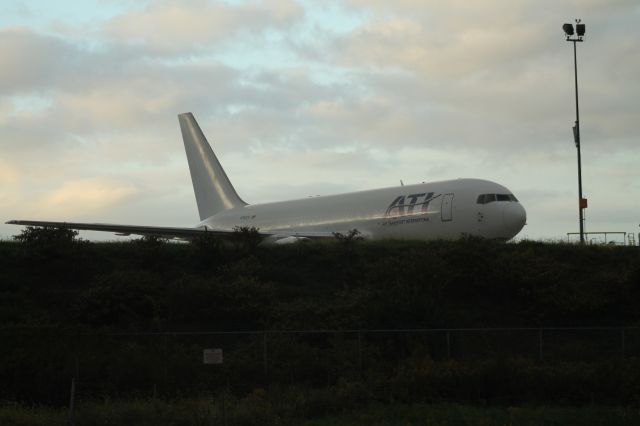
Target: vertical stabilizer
(214,192)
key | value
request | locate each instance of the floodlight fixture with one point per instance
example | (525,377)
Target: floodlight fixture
(568,29)
(580,28)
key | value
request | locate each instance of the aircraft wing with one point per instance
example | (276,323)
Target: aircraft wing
(167,232)
(160,231)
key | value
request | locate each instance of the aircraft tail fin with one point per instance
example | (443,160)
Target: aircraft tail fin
(213,189)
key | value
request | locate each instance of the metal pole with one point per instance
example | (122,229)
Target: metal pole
(360,353)
(540,344)
(448,344)
(577,136)
(224,409)
(265,359)
(71,420)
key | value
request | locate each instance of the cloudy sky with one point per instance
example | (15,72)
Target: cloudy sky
(302,97)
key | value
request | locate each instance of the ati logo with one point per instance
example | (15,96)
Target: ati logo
(405,205)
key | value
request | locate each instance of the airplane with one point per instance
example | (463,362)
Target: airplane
(448,210)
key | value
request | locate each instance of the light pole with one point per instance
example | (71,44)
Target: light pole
(579,34)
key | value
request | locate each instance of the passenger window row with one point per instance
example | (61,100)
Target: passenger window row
(490,198)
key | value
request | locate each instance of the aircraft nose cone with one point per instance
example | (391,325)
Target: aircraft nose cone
(514,217)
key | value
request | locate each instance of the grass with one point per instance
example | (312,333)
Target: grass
(465,415)
(256,411)
(19,415)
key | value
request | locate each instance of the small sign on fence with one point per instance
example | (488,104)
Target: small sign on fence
(212,356)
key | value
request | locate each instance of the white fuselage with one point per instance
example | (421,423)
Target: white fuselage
(438,210)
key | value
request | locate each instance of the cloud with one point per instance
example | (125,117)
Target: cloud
(83,197)
(8,176)
(30,61)
(173,26)
(466,72)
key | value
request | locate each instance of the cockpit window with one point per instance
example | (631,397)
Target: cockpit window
(490,198)
(486,198)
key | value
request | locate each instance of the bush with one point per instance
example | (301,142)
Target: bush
(47,241)
(246,238)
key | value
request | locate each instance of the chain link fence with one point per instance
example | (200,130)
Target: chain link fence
(38,364)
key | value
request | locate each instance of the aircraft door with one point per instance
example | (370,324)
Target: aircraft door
(446,211)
